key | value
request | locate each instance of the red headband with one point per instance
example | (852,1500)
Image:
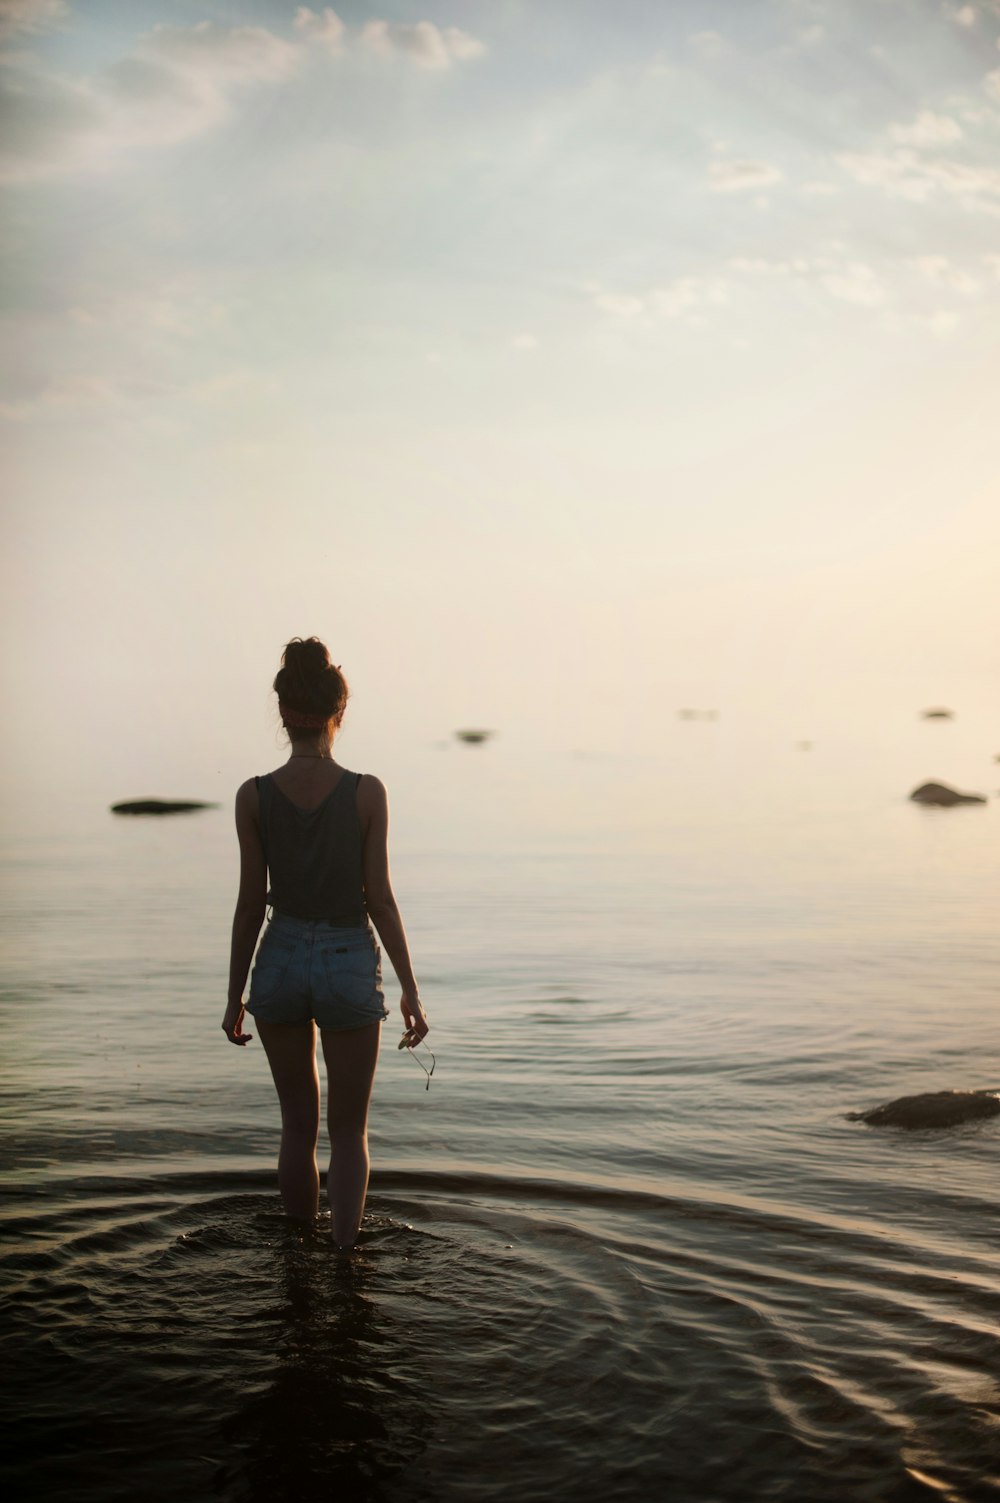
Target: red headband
(300,719)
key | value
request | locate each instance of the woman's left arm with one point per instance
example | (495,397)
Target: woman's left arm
(250,908)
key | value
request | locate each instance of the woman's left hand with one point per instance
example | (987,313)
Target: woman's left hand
(232,1024)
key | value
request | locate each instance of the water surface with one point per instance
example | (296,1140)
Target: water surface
(627,1243)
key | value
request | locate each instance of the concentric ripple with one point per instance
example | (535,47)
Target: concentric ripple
(492,1337)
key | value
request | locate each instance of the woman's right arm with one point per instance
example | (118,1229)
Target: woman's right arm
(250,909)
(373,807)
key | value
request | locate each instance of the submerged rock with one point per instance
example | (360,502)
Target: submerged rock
(473,738)
(943,796)
(160,806)
(934,1109)
(938,714)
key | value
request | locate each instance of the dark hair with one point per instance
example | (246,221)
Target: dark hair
(308,684)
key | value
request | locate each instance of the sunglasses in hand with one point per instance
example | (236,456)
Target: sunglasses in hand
(409,1041)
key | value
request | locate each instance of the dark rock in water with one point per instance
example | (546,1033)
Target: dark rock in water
(943,796)
(160,806)
(935,1109)
(474,738)
(938,715)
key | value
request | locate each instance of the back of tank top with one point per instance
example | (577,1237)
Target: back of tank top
(314,855)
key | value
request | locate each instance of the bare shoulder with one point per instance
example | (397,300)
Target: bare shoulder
(246,798)
(372,794)
(373,803)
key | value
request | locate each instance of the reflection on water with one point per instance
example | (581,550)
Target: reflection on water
(340,1413)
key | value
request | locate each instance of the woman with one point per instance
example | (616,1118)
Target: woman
(322,834)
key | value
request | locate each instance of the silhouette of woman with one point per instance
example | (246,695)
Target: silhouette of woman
(321,834)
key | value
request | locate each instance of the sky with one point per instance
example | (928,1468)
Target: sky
(560,365)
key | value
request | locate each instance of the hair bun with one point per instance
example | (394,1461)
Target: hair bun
(306,653)
(308,683)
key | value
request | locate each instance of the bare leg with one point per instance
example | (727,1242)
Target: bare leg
(291,1053)
(351,1055)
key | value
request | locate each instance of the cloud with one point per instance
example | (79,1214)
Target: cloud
(177,83)
(927,129)
(422,42)
(794,281)
(911,162)
(805,38)
(176,308)
(524,342)
(221,54)
(943,273)
(905,174)
(740,174)
(683,295)
(962,15)
(31,15)
(855,283)
(75,395)
(708,43)
(232,386)
(760,266)
(50,120)
(83,394)
(848,281)
(619,304)
(327,29)
(906,303)
(942,324)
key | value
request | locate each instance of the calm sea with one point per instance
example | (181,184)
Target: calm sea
(627,1246)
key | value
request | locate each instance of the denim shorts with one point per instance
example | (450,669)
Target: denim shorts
(306,969)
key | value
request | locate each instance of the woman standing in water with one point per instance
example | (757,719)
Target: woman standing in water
(322,834)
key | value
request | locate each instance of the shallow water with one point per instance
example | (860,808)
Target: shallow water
(627,1242)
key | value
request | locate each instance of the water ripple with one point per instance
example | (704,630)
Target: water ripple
(493,1335)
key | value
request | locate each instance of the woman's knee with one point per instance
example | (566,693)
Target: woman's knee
(301,1124)
(344,1128)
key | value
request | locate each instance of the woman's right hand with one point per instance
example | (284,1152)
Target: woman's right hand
(414,1018)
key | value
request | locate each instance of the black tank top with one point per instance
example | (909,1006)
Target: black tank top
(314,855)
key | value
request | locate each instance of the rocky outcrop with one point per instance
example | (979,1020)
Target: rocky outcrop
(934,1109)
(160,806)
(943,796)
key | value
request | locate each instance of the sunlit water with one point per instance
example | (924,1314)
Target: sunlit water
(627,1246)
